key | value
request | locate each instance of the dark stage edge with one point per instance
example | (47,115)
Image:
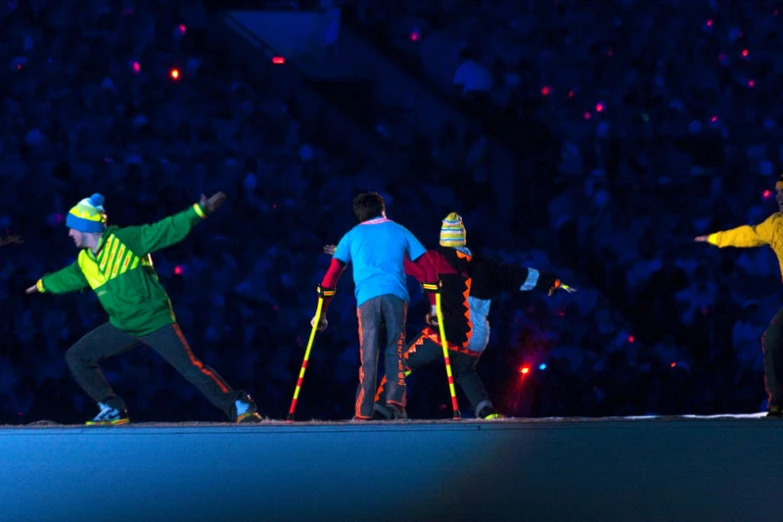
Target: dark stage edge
(720,468)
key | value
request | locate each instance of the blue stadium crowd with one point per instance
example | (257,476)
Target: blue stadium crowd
(654,122)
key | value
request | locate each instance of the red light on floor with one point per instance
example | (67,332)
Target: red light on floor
(175,74)
(277,60)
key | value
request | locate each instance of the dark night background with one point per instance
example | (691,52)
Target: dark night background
(613,132)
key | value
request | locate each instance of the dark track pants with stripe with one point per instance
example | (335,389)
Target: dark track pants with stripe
(772,345)
(426,349)
(107,341)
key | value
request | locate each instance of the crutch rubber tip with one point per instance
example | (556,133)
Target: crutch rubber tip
(457,415)
(290,417)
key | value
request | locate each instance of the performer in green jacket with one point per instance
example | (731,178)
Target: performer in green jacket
(116,263)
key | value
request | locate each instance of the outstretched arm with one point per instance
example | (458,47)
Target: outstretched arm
(68,279)
(746,236)
(504,276)
(145,239)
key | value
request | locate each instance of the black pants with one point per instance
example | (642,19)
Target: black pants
(107,341)
(426,349)
(772,345)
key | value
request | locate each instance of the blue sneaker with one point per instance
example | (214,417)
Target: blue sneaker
(109,416)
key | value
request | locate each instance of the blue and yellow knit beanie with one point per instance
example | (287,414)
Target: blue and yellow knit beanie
(88,215)
(452,231)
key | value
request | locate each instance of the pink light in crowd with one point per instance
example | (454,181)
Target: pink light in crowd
(714,119)
(767,194)
(744,53)
(751,83)
(277,60)
(545,90)
(178,270)
(570,94)
(599,107)
(136,67)
(415,36)
(631,339)
(182,29)
(587,116)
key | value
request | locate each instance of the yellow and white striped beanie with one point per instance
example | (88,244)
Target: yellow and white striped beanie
(452,231)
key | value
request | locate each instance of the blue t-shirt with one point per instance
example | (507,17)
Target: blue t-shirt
(377,249)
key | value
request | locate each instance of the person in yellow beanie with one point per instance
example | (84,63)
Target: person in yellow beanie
(767,233)
(117,264)
(469,281)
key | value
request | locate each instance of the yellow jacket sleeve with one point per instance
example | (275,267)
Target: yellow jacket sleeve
(746,236)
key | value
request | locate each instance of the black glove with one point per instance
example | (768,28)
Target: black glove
(214,202)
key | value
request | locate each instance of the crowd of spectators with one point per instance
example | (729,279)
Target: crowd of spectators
(654,123)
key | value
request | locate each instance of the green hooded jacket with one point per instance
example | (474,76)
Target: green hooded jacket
(122,275)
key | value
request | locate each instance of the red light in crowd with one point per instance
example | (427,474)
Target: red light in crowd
(175,74)
(775,12)
(278,60)
(714,119)
(744,53)
(18,65)
(570,94)
(767,194)
(182,29)
(587,116)
(178,270)
(751,83)
(631,338)
(545,90)
(709,23)
(524,370)
(610,53)
(136,67)
(415,36)
(673,364)
(599,107)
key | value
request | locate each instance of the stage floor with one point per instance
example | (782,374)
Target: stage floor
(724,467)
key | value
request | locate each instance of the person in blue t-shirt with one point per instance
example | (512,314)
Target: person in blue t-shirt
(377,248)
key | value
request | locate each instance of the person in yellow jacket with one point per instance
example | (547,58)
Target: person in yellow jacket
(770,233)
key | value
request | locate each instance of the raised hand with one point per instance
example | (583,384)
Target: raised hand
(32,290)
(212,203)
(330,249)
(701,239)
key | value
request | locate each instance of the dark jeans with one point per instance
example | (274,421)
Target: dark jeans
(390,311)
(772,344)
(107,341)
(426,349)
